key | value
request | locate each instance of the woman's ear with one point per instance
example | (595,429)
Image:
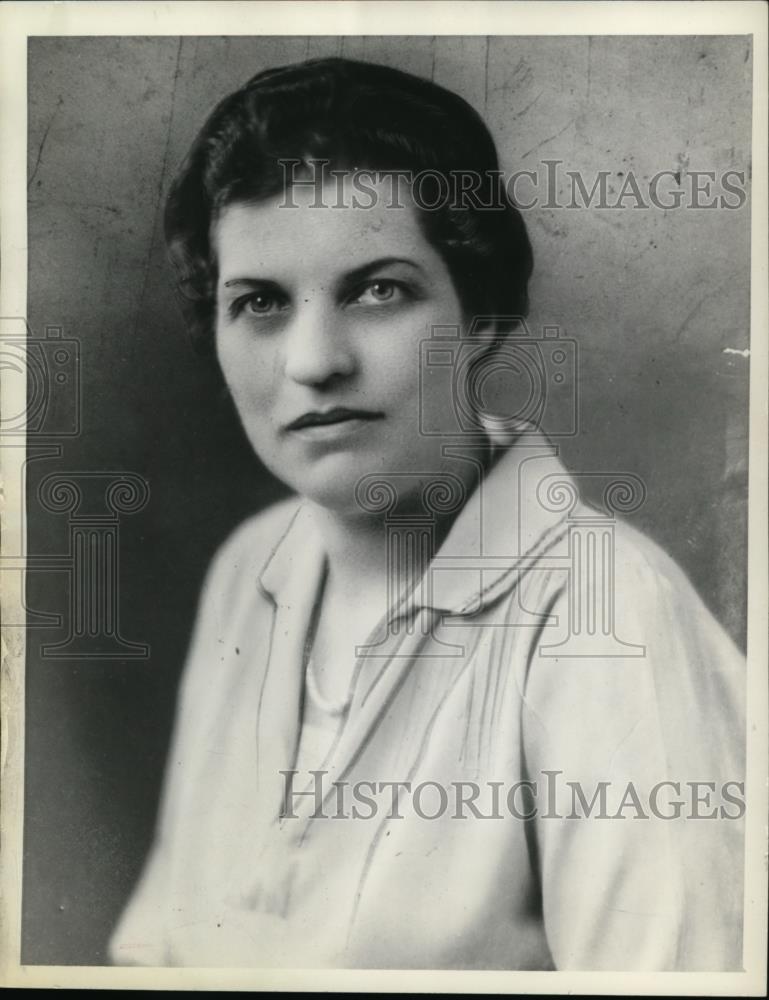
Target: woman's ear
(497,363)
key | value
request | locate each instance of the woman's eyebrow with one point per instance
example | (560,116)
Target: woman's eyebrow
(248,282)
(366,270)
(350,277)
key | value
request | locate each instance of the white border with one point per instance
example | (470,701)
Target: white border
(20,20)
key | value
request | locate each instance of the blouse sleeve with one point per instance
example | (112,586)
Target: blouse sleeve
(638,762)
(141,936)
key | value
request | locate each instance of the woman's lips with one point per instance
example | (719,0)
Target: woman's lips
(329,424)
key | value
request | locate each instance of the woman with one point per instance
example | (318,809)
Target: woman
(397,745)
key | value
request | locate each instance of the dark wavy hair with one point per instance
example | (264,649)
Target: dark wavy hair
(353,115)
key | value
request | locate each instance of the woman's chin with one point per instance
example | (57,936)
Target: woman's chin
(336,489)
(350,482)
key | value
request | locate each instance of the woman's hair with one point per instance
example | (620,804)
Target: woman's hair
(352,115)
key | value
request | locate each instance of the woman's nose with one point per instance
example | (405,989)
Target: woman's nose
(316,348)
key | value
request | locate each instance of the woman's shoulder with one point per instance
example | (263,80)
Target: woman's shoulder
(248,547)
(636,552)
(633,656)
(640,566)
(620,582)
(651,584)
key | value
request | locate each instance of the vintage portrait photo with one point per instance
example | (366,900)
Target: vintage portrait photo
(384,496)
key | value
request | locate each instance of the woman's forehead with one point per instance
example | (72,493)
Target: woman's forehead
(317,229)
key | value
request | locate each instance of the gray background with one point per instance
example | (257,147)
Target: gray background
(652,297)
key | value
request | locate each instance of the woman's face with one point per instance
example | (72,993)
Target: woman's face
(320,316)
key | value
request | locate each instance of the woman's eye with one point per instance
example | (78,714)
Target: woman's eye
(377,292)
(261,303)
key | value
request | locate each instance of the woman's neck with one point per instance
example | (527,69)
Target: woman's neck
(367,563)
(356,552)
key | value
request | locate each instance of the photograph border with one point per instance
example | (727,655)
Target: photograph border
(20,21)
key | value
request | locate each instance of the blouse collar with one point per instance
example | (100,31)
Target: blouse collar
(506,523)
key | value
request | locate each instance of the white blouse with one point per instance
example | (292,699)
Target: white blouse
(559,661)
